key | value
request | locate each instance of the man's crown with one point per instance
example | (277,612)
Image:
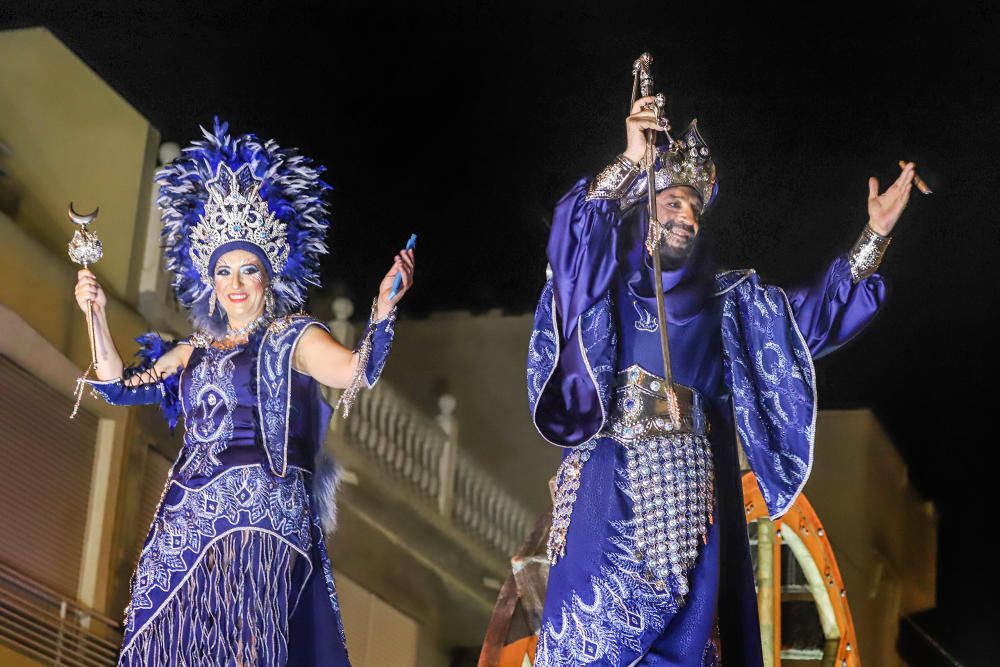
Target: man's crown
(684,161)
(235,211)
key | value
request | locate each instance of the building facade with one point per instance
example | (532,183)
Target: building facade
(424,530)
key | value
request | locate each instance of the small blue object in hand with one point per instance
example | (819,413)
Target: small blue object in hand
(398,282)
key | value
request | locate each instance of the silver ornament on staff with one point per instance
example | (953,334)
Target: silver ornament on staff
(642,86)
(85,249)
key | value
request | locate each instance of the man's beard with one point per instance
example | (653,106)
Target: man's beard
(673,257)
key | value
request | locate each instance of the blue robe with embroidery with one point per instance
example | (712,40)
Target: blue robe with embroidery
(234,569)
(747,348)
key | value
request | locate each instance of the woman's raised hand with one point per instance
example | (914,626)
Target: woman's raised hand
(88,289)
(403,263)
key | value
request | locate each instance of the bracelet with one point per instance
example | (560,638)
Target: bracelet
(363,350)
(867,253)
(614,180)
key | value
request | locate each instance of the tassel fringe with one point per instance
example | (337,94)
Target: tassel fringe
(232,610)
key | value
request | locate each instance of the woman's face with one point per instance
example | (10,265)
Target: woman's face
(240,283)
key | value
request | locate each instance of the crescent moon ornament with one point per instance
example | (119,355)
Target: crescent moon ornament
(82,218)
(85,249)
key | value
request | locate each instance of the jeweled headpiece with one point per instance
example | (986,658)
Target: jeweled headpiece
(236,214)
(224,193)
(685,161)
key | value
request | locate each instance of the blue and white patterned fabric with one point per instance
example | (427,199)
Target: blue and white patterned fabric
(769,374)
(234,569)
(746,349)
(384,332)
(274,386)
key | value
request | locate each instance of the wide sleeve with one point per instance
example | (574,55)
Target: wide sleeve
(581,253)
(834,309)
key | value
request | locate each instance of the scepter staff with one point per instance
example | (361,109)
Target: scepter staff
(85,249)
(642,83)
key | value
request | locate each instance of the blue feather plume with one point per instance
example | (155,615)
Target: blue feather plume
(293,189)
(151,347)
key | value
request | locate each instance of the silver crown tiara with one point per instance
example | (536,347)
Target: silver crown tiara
(235,211)
(685,161)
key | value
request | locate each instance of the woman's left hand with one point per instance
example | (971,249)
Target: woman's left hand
(403,263)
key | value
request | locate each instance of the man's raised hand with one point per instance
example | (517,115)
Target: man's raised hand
(640,120)
(884,209)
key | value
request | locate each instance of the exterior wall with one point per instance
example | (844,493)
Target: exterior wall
(479,359)
(883,534)
(72,137)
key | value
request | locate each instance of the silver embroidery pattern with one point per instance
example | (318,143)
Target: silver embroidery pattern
(597,335)
(274,369)
(238,497)
(646,322)
(209,422)
(620,608)
(771,376)
(543,347)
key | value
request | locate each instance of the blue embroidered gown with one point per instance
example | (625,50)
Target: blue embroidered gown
(234,570)
(745,348)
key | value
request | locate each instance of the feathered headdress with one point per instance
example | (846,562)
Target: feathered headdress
(225,193)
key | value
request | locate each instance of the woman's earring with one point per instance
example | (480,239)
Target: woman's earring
(269,303)
(211,303)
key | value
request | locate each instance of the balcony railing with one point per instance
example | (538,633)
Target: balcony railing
(413,448)
(51,629)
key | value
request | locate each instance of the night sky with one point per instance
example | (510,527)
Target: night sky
(466,123)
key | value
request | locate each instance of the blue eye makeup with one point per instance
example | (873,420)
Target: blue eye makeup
(246,270)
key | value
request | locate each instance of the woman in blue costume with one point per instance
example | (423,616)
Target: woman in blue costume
(648,545)
(234,570)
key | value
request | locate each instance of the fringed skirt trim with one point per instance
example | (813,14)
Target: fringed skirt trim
(232,608)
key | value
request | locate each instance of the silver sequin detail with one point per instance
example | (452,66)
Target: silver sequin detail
(672,483)
(567,484)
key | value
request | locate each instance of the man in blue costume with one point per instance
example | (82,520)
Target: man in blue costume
(648,545)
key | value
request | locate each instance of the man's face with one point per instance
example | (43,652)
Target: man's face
(678,209)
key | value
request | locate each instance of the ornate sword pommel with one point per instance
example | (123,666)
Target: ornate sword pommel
(642,68)
(642,63)
(82,218)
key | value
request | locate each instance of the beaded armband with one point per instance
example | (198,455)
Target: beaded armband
(867,253)
(614,180)
(372,350)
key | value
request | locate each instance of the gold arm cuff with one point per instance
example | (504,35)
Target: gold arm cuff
(613,180)
(867,253)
